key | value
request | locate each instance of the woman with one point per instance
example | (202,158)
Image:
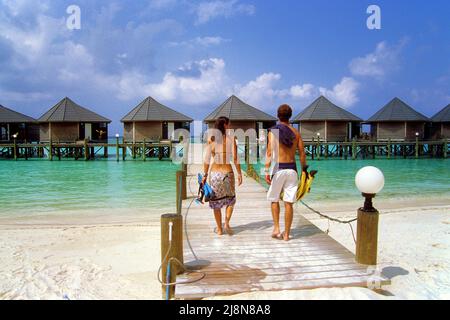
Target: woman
(221,152)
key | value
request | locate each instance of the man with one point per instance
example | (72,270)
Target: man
(283,142)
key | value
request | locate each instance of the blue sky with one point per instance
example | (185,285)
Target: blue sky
(191,55)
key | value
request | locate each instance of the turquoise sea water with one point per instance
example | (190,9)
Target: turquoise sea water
(40,186)
(44,186)
(404,178)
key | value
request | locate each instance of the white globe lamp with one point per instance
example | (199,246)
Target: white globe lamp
(370,181)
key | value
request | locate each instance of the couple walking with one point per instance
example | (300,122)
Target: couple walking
(280,171)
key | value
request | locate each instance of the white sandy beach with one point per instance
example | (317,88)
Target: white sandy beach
(91,257)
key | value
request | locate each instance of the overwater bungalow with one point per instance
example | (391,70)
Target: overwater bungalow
(69,122)
(153,121)
(398,121)
(440,128)
(13,123)
(242,115)
(326,120)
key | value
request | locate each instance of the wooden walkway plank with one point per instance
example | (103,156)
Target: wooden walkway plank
(251,260)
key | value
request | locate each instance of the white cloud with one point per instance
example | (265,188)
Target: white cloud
(161,4)
(24,7)
(17,96)
(200,41)
(343,93)
(263,91)
(207,11)
(194,83)
(379,63)
(305,91)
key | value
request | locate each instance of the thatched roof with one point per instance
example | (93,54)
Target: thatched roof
(443,115)
(237,110)
(152,110)
(397,110)
(68,111)
(11,116)
(323,109)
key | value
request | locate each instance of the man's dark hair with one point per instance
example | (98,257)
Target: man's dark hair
(284,113)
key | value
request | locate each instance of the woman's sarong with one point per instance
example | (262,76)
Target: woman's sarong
(223,185)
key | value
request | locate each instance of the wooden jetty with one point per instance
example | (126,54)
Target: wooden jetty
(315,150)
(86,150)
(251,260)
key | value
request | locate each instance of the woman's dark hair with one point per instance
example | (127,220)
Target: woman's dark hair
(220,124)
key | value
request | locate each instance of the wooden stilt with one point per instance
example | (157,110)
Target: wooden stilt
(389,147)
(354,149)
(143,151)
(15,150)
(247,150)
(50,151)
(86,150)
(417,147)
(117,150)
(445,148)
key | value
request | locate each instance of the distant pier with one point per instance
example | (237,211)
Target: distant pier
(315,150)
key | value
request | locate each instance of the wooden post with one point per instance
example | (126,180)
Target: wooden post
(312,149)
(445,149)
(50,150)
(15,149)
(117,150)
(143,150)
(318,148)
(389,149)
(184,167)
(247,150)
(86,150)
(345,151)
(354,150)
(417,147)
(180,190)
(171,249)
(367,237)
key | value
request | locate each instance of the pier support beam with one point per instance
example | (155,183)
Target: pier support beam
(143,150)
(389,149)
(318,148)
(171,252)
(86,150)
(50,151)
(15,150)
(354,150)
(417,147)
(445,149)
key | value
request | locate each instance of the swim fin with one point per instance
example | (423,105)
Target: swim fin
(305,185)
